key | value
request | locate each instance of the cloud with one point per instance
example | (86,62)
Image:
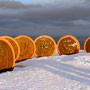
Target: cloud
(87,1)
(45,20)
(82,22)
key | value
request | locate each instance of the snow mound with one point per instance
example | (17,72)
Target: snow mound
(64,72)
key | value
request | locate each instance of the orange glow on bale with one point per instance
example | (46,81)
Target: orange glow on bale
(7,56)
(68,45)
(45,46)
(87,45)
(27,47)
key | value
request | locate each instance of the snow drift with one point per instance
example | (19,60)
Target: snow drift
(49,73)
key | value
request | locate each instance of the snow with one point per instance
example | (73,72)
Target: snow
(66,72)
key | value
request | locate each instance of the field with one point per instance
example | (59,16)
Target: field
(49,73)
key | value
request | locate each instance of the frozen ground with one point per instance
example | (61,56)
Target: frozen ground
(49,73)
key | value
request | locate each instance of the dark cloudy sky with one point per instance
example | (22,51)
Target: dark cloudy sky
(51,17)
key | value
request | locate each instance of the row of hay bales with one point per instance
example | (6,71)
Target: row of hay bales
(23,47)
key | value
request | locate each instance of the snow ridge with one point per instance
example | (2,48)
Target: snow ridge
(49,73)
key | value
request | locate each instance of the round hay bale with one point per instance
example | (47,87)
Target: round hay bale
(68,45)
(45,46)
(87,45)
(27,47)
(7,56)
(14,45)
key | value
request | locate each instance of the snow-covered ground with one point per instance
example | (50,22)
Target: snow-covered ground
(70,72)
